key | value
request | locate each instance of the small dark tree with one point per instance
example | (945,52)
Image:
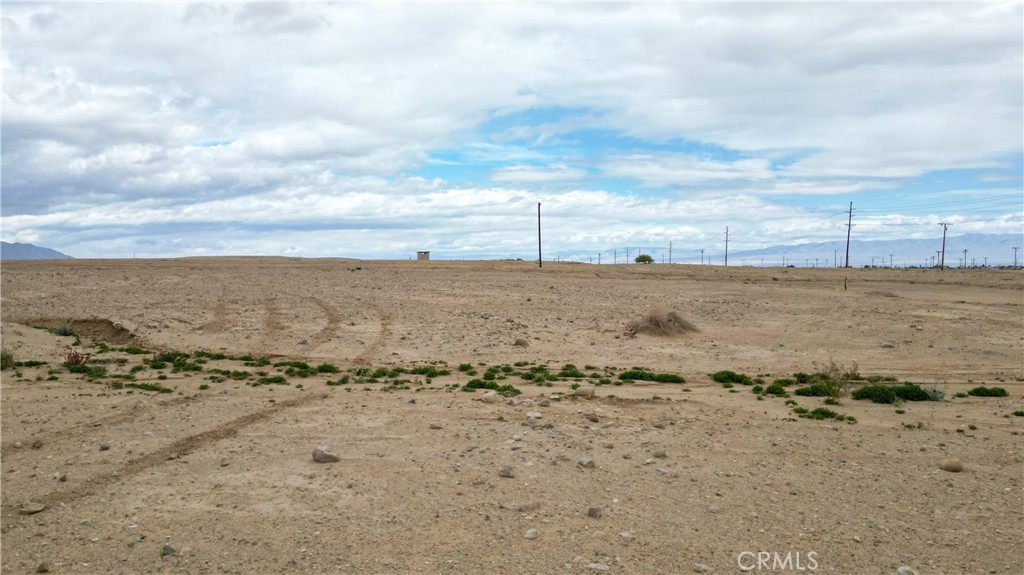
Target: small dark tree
(644,259)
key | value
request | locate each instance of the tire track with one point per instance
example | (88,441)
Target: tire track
(383,333)
(333,322)
(133,412)
(177,449)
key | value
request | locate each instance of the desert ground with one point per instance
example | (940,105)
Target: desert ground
(202,470)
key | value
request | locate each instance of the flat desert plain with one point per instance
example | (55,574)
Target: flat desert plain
(214,473)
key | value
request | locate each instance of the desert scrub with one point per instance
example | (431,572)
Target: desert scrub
(982,391)
(275,380)
(641,374)
(6,358)
(727,376)
(571,371)
(63,331)
(475,384)
(149,387)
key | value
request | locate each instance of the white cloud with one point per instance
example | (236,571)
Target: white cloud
(263,114)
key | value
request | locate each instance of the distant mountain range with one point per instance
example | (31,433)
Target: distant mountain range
(18,251)
(982,249)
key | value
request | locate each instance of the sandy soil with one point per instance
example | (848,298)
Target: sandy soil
(224,475)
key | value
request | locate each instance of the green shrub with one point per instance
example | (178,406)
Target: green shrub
(6,358)
(757,389)
(816,390)
(727,376)
(149,387)
(475,384)
(1019,413)
(643,375)
(776,389)
(63,331)
(171,356)
(982,391)
(570,370)
(891,393)
(276,380)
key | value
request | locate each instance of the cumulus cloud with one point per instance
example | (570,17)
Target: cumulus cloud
(214,122)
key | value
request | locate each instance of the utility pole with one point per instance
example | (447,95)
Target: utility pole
(1015,256)
(849,226)
(835,257)
(942,257)
(598,258)
(627,255)
(540,256)
(965,257)
(727,246)
(890,260)
(616,256)
(986,261)
(670,251)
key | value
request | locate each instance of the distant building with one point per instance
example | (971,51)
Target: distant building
(423,256)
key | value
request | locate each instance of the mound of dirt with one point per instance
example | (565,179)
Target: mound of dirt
(661,322)
(104,330)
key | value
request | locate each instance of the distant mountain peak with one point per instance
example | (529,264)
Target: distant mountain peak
(16,251)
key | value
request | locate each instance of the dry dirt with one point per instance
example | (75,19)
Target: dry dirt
(224,476)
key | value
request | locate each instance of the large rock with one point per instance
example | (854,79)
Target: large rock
(322,455)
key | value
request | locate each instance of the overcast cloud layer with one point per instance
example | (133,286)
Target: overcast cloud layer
(377,130)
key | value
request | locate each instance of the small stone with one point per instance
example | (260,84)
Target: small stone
(533,415)
(714,508)
(506,471)
(43,567)
(585,391)
(104,446)
(412,401)
(544,403)
(701,568)
(37,444)
(627,535)
(597,567)
(952,465)
(594,512)
(660,454)
(530,534)
(435,426)
(321,455)
(905,570)
(31,508)
(490,397)
(528,507)
(587,462)
(167,550)
(887,345)
(63,477)
(591,417)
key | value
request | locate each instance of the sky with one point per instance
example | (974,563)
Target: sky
(377,130)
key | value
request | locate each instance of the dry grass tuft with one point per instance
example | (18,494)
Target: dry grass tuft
(660,322)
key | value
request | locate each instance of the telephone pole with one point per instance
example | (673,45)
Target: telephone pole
(849,227)
(540,257)
(965,257)
(702,257)
(1015,256)
(670,251)
(942,257)
(727,246)
(890,260)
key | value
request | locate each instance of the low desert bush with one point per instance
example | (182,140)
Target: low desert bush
(727,376)
(644,375)
(6,358)
(982,391)
(891,393)
(63,331)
